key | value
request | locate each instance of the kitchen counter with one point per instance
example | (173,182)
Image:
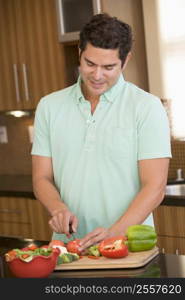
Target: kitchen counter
(162,266)
(16,186)
(173,200)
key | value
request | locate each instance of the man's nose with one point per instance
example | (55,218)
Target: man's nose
(97,73)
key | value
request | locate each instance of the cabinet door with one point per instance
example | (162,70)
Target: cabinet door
(40,53)
(169,220)
(172,245)
(10,97)
(169,224)
(24,217)
(14,217)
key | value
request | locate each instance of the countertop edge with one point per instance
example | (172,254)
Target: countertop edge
(17,194)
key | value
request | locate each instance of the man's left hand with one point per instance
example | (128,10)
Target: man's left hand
(94,237)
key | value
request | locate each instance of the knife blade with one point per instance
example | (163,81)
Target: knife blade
(71,231)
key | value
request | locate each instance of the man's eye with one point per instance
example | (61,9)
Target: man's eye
(90,64)
(109,68)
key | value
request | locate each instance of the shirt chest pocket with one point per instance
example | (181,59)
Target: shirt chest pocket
(117,142)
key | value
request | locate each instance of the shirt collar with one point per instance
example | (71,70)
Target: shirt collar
(79,95)
(109,95)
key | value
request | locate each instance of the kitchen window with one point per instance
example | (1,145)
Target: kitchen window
(165,38)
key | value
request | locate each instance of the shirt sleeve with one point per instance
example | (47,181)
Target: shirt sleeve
(41,139)
(153,131)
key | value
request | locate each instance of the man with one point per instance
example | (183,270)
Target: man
(101,147)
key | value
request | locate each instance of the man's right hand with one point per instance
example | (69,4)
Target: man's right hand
(62,221)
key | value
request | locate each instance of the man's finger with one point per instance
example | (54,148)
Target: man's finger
(93,238)
(53,226)
(74,224)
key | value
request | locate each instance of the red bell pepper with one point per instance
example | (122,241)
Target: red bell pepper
(114,247)
(73,246)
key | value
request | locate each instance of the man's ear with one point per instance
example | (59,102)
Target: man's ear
(129,55)
(79,52)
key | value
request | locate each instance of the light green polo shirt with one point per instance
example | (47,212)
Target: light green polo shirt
(95,157)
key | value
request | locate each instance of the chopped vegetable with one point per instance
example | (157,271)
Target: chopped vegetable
(43,251)
(62,249)
(93,250)
(32,247)
(114,247)
(28,255)
(73,246)
(67,258)
(10,255)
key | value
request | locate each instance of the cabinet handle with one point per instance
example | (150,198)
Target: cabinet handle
(25,82)
(10,211)
(1,268)
(16,82)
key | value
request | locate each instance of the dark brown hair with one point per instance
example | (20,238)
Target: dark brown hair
(104,31)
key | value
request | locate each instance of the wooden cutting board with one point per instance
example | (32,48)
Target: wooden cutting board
(133,260)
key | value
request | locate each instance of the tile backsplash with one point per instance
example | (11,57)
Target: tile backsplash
(178,159)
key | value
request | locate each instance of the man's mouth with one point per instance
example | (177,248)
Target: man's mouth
(97,84)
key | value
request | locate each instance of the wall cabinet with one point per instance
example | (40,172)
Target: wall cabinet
(24,218)
(31,60)
(169,224)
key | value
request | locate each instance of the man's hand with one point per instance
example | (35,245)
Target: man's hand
(95,237)
(62,220)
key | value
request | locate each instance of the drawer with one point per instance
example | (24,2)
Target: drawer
(14,210)
(172,245)
(15,229)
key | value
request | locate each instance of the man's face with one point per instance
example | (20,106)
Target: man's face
(99,69)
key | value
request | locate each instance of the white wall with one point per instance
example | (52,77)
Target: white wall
(130,11)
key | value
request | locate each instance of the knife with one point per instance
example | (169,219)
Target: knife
(71,231)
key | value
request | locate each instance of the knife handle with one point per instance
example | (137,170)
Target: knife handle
(70,229)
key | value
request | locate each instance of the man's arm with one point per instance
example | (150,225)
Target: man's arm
(46,192)
(153,176)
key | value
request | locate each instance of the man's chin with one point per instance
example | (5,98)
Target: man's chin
(97,91)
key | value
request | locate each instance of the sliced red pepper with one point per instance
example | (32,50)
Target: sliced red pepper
(73,246)
(25,256)
(32,247)
(114,247)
